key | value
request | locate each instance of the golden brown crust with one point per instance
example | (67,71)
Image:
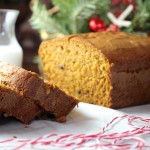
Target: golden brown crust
(13,103)
(130,88)
(43,95)
(106,68)
(126,52)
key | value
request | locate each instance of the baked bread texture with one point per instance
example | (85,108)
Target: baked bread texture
(32,88)
(13,103)
(105,68)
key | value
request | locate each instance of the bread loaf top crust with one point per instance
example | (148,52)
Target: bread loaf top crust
(125,52)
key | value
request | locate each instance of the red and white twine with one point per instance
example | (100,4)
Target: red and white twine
(133,138)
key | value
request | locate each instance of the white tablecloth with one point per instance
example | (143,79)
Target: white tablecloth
(87,127)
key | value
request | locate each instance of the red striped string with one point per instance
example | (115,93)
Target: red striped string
(133,138)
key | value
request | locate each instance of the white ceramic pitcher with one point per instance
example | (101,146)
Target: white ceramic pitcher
(10,50)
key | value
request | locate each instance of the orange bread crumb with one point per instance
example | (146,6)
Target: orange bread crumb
(109,69)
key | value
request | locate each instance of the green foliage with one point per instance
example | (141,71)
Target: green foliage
(42,19)
(141,18)
(102,12)
(72,16)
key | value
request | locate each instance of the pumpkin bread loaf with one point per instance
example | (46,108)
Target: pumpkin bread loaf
(29,85)
(13,103)
(105,68)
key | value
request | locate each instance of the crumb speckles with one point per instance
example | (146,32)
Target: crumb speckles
(61,67)
(61,119)
(26,126)
(47,91)
(59,48)
(6,115)
(3,82)
(79,70)
(79,92)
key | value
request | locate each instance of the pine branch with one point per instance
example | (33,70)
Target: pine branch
(78,12)
(103,7)
(141,16)
(82,10)
(63,5)
(42,20)
(72,16)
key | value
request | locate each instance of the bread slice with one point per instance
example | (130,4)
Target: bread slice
(104,68)
(48,97)
(13,103)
